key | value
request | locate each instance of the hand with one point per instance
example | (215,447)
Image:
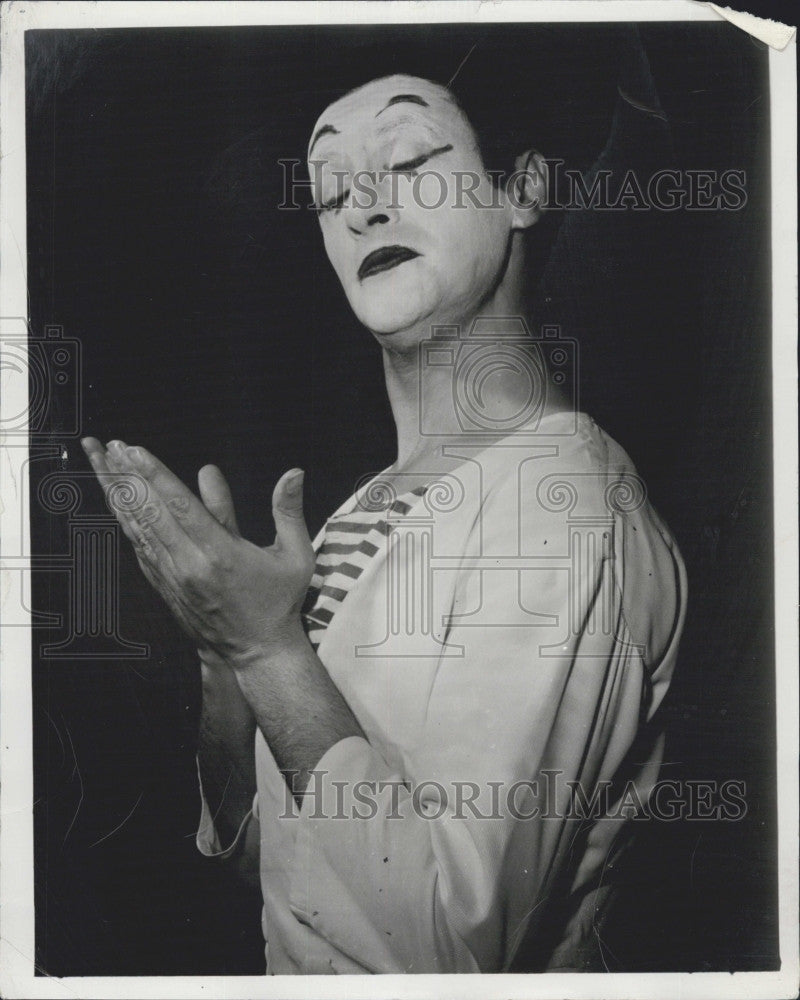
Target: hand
(236,601)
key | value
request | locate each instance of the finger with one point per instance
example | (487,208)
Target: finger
(154,523)
(216,495)
(122,493)
(187,515)
(92,447)
(287,510)
(126,494)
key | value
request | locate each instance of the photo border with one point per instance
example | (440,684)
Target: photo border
(17,972)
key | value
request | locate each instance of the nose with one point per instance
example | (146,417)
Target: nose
(371,203)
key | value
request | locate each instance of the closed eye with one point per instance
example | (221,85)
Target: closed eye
(334,205)
(410,165)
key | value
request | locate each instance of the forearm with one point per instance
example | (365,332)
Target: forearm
(296,705)
(225,750)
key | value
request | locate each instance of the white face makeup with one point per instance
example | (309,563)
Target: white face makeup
(409,247)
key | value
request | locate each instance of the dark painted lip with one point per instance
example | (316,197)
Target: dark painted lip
(383,259)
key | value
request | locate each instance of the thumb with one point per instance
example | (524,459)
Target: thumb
(287,510)
(216,495)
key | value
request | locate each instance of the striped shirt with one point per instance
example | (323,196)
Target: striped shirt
(352,537)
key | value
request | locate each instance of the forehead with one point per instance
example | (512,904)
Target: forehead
(363,109)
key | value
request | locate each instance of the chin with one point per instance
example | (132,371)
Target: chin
(386,316)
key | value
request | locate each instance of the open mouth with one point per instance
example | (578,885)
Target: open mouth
(384,259)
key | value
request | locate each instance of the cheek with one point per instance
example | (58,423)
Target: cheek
(430,192)
(335,249)
(473,240)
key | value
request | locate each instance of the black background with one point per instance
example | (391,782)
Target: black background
(213,329)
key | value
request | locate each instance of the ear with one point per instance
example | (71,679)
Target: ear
(526,189)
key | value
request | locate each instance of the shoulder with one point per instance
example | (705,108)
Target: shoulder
(567,470)
(570,468)
(575,499)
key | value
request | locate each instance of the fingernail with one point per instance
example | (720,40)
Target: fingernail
(295,482)
(116,447)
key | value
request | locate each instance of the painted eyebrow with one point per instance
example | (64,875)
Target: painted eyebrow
(397,99)
(325,130)
(405,99)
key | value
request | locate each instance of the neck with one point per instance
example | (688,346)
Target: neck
(423,384)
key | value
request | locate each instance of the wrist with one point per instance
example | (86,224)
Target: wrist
(215,674)
(282,638)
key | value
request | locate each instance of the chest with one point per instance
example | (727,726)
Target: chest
(377,615)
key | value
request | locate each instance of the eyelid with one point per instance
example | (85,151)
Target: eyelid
(334,204)
(418,161)
(407,165)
